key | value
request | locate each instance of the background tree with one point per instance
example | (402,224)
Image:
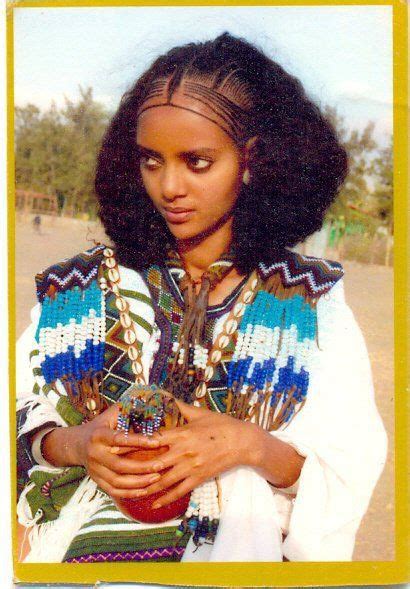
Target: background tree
(357,189)
(56,150)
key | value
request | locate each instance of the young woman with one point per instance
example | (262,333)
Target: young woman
(215,163)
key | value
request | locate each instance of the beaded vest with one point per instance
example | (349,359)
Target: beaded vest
(79,336)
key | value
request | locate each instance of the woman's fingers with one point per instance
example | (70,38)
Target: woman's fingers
(185,487)
(121,450)
(101,454)
(175,434)
(126,481)
(168,479)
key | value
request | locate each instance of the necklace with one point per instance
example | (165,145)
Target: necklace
(205,368)
(201,519)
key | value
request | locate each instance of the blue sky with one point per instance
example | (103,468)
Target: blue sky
(342,54)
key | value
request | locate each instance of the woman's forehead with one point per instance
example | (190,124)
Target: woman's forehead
(169,126)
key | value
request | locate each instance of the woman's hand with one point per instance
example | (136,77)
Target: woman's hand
(209,444)
(102,451)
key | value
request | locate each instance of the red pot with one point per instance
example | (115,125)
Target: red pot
(141,509)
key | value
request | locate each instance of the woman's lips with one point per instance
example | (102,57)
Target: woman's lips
(178,215)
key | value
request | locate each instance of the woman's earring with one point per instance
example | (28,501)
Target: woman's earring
(246,178)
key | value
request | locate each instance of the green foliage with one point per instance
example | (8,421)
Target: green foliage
(56,151)
(382,205)
(366,197)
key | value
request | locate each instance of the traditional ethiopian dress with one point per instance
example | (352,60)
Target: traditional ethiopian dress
(312,346)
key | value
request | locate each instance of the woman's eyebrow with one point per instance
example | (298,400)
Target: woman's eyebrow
(196,150)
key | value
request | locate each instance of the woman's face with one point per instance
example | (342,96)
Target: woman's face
(191,170)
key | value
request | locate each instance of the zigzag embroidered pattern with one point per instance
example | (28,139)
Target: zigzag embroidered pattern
(171,553)
(79,271)
(316,275)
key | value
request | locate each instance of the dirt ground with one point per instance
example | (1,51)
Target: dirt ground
(61,238)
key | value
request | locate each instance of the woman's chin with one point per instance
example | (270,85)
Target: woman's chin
(183,232)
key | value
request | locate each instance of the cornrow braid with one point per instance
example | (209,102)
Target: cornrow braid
(297,165)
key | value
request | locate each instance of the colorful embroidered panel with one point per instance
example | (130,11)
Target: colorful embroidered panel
(317,276)
(111,537)
(168,305)
(71,330)
(78,271)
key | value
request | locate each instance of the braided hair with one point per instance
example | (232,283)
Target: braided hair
(297,164)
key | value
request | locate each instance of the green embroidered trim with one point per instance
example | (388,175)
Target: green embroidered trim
(46,388)
(138,296)
(122,541)
(62,488)
(141,322)
(70,415)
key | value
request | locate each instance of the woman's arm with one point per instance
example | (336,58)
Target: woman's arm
(94,446)
(275,460)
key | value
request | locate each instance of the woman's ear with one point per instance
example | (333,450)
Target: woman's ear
(249,149)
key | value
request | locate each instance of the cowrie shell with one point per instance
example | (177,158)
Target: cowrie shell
(121,304)
(239,309)
(216,356)
(139,380)
(200,390)
(113,275)
(129,336)
(223,341)
(137,367)
(91,405)
(125,320)
(247,297)
(133,353)
(108,253)
(110,263)
(231,326)
(209,371)
(254,283)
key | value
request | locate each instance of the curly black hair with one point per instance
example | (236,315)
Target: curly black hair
(297,165)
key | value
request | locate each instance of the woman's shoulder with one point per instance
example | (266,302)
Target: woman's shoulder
(317,275)
(80,271)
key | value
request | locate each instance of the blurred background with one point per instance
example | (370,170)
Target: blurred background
(73,64)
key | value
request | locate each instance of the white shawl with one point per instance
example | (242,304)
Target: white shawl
(339,431)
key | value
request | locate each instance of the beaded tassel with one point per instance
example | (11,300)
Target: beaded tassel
(269,371)
(71,336)
(201,519)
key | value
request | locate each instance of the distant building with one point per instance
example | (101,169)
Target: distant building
(36,203)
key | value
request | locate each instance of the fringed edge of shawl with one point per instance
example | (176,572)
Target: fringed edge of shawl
(50,541)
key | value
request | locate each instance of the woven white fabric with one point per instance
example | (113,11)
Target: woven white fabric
(339,431)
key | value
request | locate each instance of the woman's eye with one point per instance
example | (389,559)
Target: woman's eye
(149,163)
(199,164)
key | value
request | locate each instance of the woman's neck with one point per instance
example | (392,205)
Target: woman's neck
(198,255)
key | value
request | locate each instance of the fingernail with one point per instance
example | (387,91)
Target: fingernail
(155,477)
(157,466)
(156,505)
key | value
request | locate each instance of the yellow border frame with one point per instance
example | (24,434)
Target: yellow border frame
(247,574)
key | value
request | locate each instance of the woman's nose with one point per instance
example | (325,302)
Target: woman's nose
(172,182)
